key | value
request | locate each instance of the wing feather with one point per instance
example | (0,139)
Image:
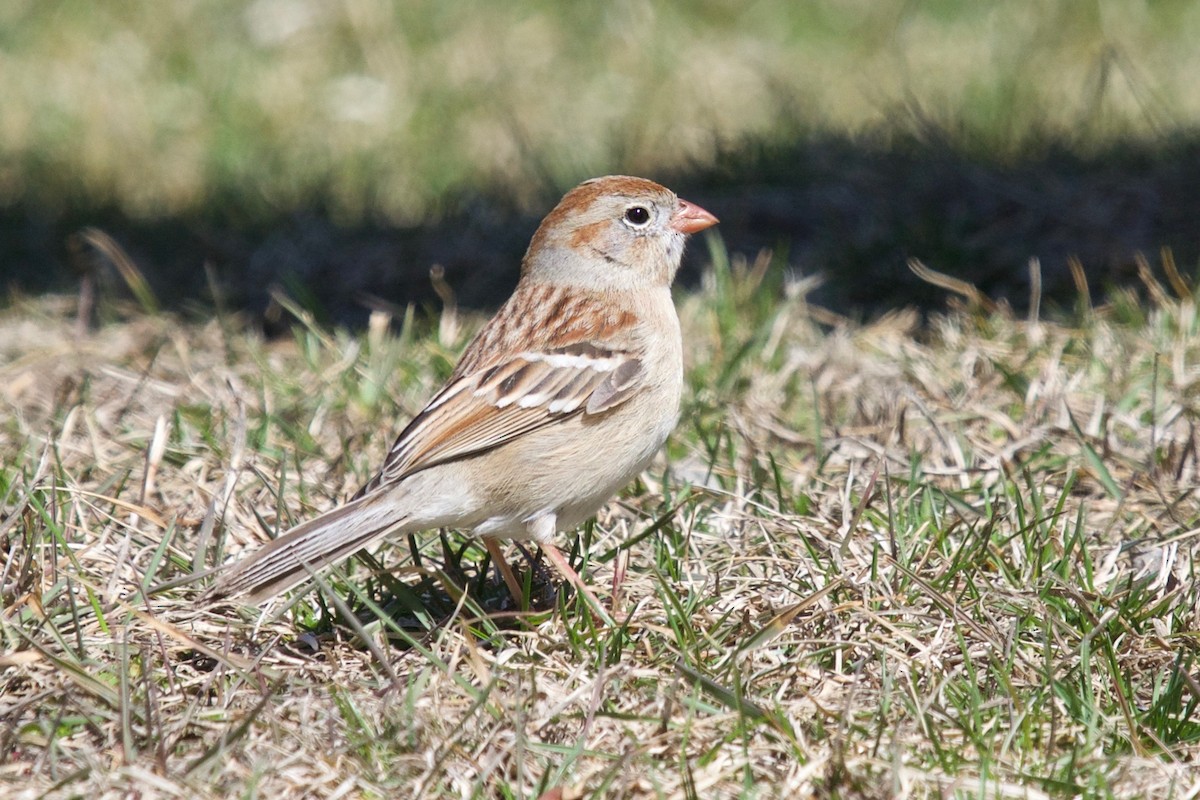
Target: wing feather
(484,409)
(616,387)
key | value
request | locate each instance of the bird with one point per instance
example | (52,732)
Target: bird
(558,402)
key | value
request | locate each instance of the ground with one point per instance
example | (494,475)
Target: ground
(911,558)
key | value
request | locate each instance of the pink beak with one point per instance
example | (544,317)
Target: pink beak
(691,218)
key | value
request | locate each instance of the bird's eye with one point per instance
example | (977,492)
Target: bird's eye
(637,216)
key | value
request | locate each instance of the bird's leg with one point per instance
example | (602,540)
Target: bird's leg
(505,570)
(542,530)
(572,577)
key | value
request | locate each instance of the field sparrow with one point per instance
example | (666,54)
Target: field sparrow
(558,402)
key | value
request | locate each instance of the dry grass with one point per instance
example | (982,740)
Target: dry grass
(376,109)
(888,560)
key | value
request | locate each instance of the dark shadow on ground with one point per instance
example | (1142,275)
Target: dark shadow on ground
(853,210)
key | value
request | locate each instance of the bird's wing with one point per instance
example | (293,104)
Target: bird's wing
(486,408)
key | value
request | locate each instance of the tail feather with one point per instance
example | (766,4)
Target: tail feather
(309,547)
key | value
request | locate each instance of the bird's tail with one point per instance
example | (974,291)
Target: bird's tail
(307,548)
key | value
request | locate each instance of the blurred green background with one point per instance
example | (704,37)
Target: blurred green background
(317,142)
